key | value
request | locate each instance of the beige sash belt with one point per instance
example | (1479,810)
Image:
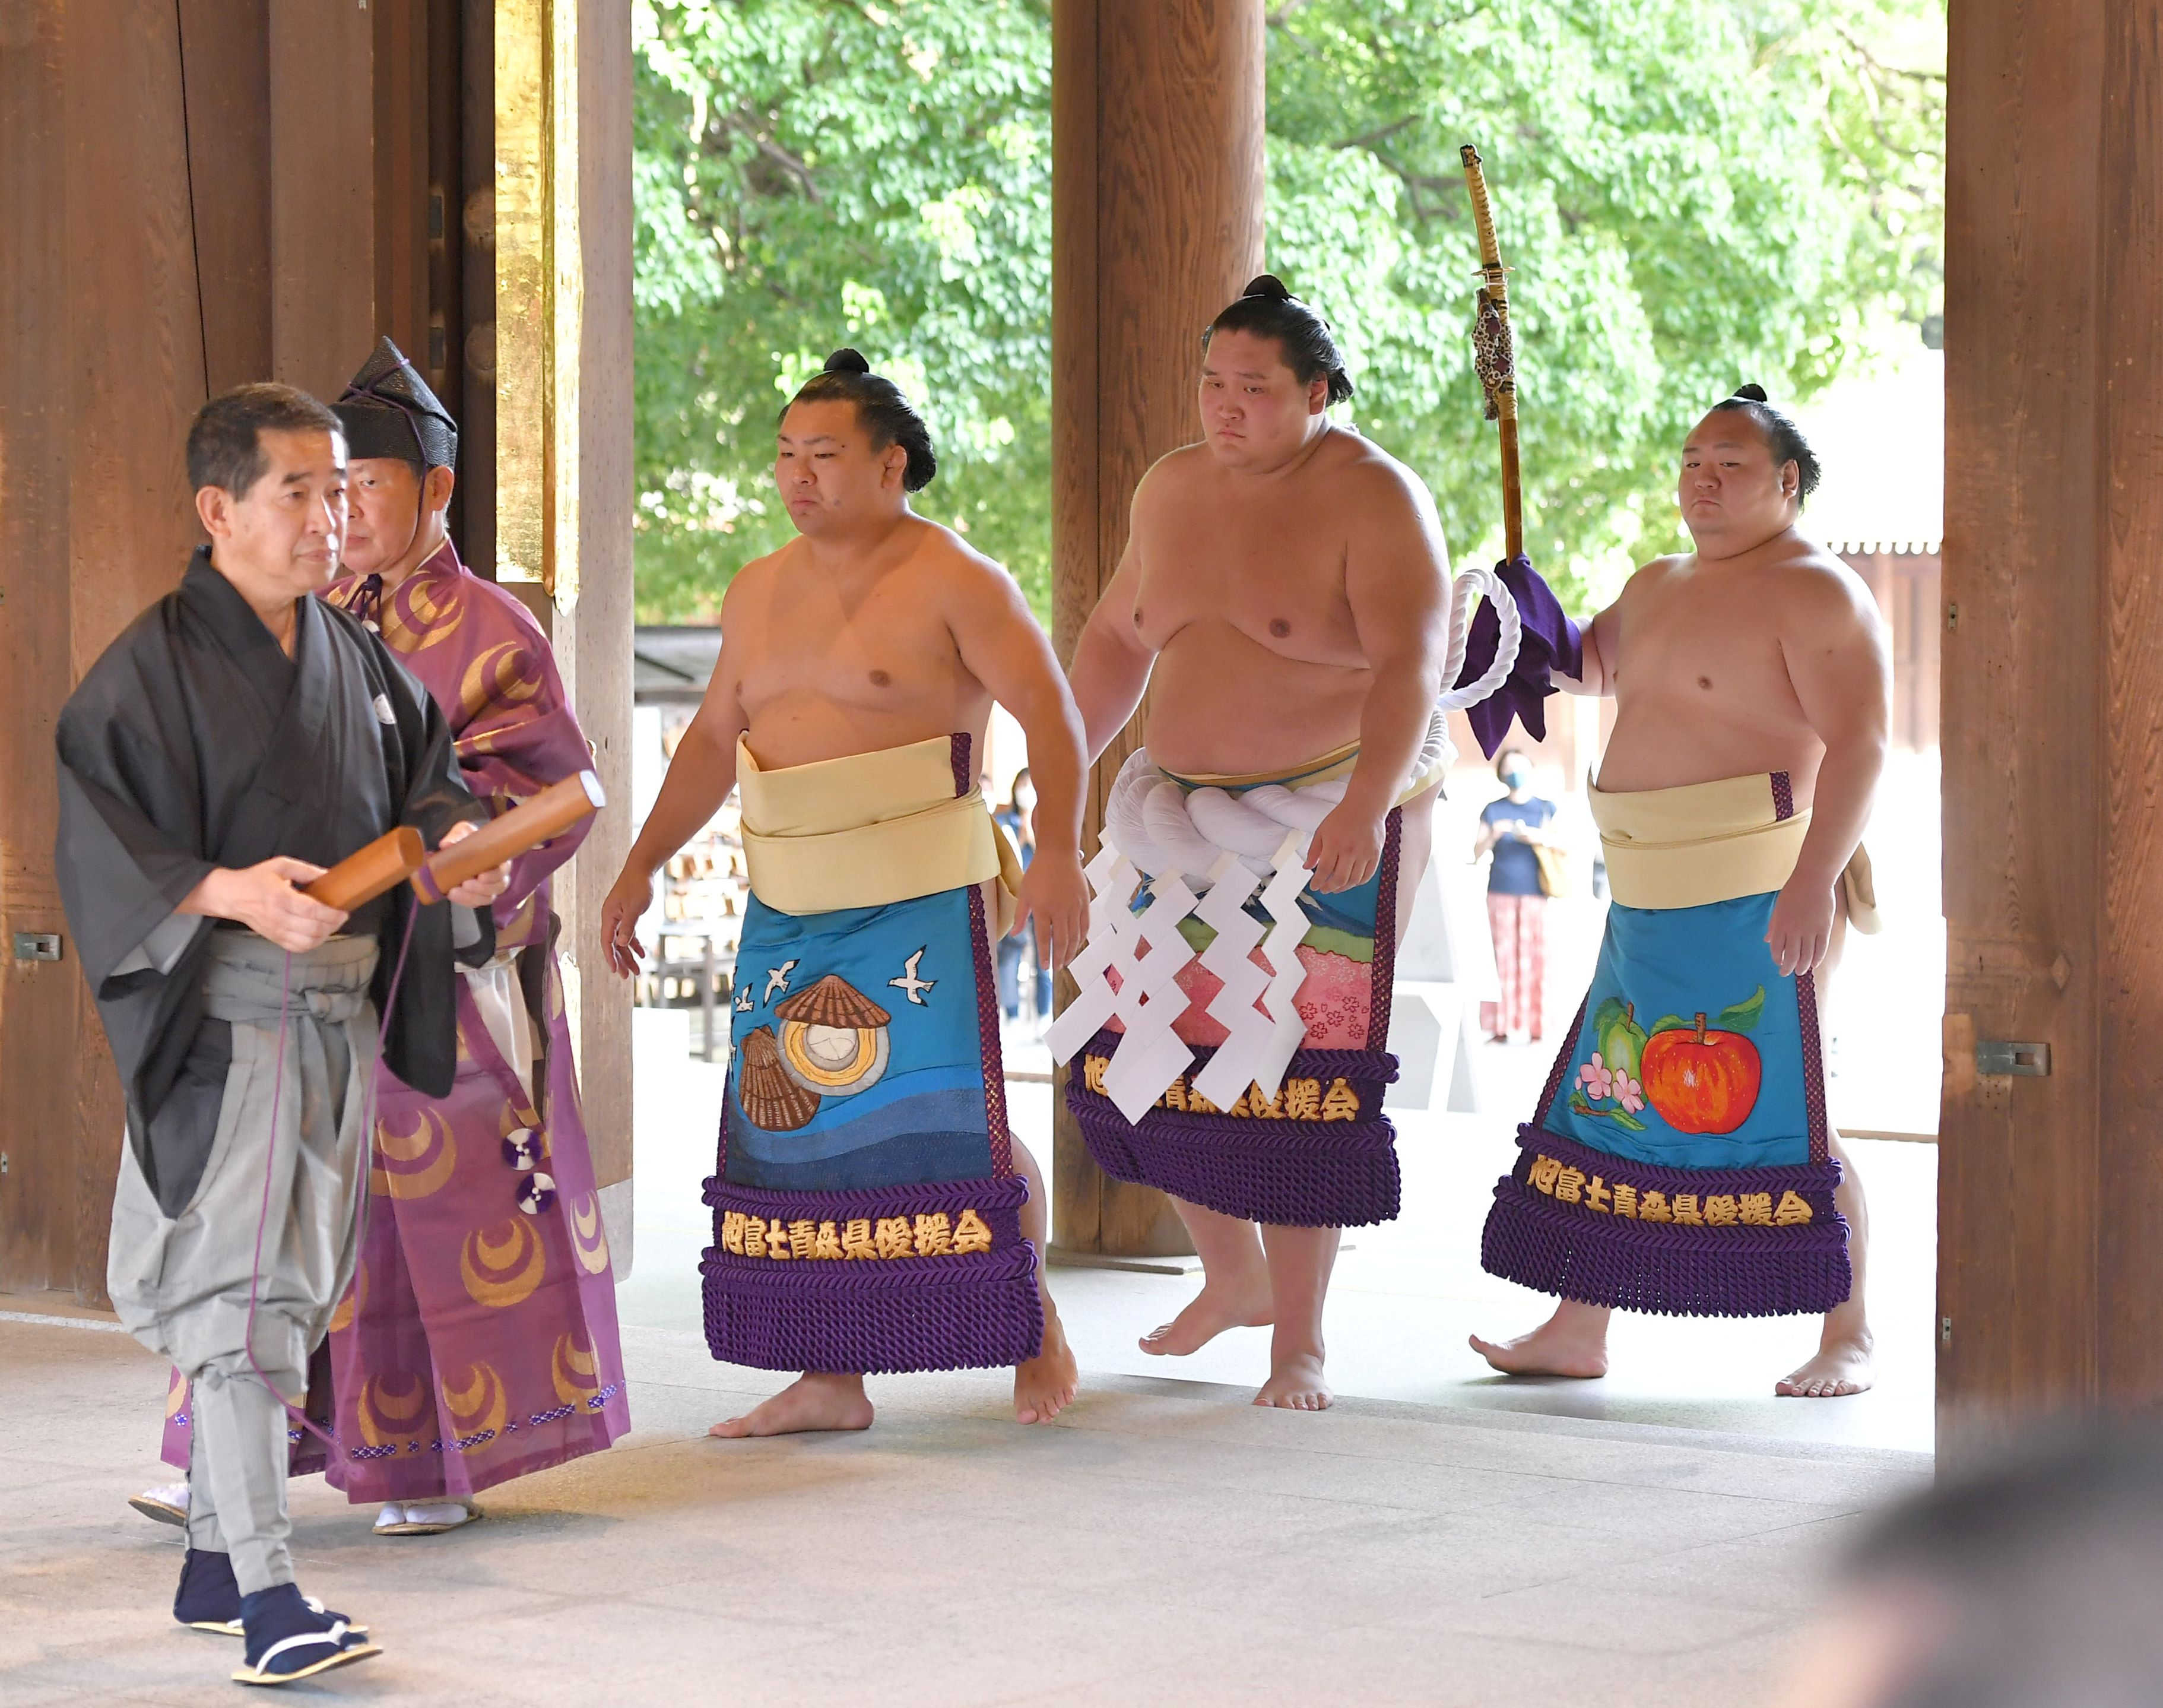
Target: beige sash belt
(867,829)
(1710,842)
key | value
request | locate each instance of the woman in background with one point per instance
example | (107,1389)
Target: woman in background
(1018,818)
(1513,829)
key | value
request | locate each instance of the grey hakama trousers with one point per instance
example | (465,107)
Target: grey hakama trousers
(182,1284)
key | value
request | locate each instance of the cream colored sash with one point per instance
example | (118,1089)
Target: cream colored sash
(867,829)
(1710,842)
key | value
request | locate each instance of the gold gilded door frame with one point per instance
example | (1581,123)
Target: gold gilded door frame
(540,300)
(540,310)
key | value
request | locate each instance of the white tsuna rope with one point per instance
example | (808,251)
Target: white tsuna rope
(1204,837)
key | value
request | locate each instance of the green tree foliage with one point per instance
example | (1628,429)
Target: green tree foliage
(809,175)
(1692,193)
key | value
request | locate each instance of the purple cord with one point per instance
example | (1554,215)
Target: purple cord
(299,1412)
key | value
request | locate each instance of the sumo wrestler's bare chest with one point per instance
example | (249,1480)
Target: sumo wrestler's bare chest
(1706,642)
(885,652)
(1277,578)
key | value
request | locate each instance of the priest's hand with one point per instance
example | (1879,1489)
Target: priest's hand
(267,900)
(621,910)
(482,888)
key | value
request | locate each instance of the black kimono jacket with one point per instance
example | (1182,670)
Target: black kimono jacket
(194,742)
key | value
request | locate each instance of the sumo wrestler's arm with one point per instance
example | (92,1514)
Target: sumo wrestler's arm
(1833,641)
(1591,677)
(1112,662)
(1397,580)
(701,772)
(1001,646)
(1600,640)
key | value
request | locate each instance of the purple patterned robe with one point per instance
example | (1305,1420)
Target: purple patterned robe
(480,1342)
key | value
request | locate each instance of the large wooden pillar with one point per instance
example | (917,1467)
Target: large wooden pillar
(2051,1234)
(1157,188)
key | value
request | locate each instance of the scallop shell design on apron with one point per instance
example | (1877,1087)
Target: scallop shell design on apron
(833,1040)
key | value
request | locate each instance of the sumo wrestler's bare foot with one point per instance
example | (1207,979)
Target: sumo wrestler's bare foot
(1572,1343)
(813,1401)
(1044,1385)
(1296,1382)
(1841,1367)
(1244,1303)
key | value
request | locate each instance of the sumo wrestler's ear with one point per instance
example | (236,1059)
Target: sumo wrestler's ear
(894,465)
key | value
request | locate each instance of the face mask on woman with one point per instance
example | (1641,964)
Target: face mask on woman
(1515,779)
(1025,799)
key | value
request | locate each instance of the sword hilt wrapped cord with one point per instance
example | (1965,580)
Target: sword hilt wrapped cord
(1493,352)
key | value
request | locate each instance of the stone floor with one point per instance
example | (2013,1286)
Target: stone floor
(1405,1296)
(1166,1542)
(1441,1538)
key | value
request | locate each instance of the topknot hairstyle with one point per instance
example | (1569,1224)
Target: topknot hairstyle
(1267,309)
(1781,433)
(888,416)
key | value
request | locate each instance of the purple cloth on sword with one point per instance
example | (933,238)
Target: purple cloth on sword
(1550,641)
(480,1342)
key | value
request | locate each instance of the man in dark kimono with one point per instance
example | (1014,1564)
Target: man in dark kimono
(237,739)
(483,1290)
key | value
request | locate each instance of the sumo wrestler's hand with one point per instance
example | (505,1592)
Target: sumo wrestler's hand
(624,907)
(1055,895)
(1346,848)
(1801,929)
(482,888)
(266,897)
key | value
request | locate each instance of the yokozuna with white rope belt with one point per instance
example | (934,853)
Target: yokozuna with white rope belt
(1285,599)
(237,739)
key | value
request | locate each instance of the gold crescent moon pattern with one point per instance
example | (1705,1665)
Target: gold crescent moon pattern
(419,616)
(836,1061)
(503,1264)
(356,1297)
(176,1394)
(589,1238)
(393,1409)
(505,674)
(413,1161)
(478,1406)
(572,1369)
